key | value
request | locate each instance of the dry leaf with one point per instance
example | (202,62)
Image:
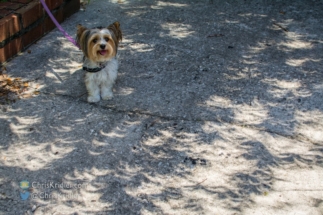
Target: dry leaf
(3,77)
(15,88)
(9,81)
(26,96)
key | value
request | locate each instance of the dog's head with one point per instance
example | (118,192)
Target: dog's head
(99,44)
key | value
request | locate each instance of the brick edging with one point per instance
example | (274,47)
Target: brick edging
(23,22)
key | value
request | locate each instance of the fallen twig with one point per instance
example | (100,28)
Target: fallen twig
(81,95)
(201,182)
(215,35)
(278,25)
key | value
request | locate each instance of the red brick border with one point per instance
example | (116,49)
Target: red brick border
(22,22)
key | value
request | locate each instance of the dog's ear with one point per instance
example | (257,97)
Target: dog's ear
(79,33)
(80,30)
(115,28)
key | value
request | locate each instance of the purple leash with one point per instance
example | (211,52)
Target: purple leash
(58,25)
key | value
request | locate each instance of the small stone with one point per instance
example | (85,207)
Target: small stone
(33,208)
(202,161)
(28,212)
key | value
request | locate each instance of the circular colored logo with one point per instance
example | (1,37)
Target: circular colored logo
(24,185)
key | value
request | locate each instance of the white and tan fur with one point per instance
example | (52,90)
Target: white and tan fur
(100,46)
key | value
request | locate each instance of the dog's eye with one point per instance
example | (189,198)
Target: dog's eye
(95,40)
(106,39)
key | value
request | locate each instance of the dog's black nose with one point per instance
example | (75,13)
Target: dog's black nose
(102,46)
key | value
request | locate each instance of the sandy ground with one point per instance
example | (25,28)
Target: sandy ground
(217,110)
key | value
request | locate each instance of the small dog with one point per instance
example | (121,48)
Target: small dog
(100,47)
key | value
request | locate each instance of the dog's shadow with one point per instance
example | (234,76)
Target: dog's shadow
(77,88)
(70,83)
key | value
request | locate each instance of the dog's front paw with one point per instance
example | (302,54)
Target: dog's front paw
(93,99)
(106,95)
